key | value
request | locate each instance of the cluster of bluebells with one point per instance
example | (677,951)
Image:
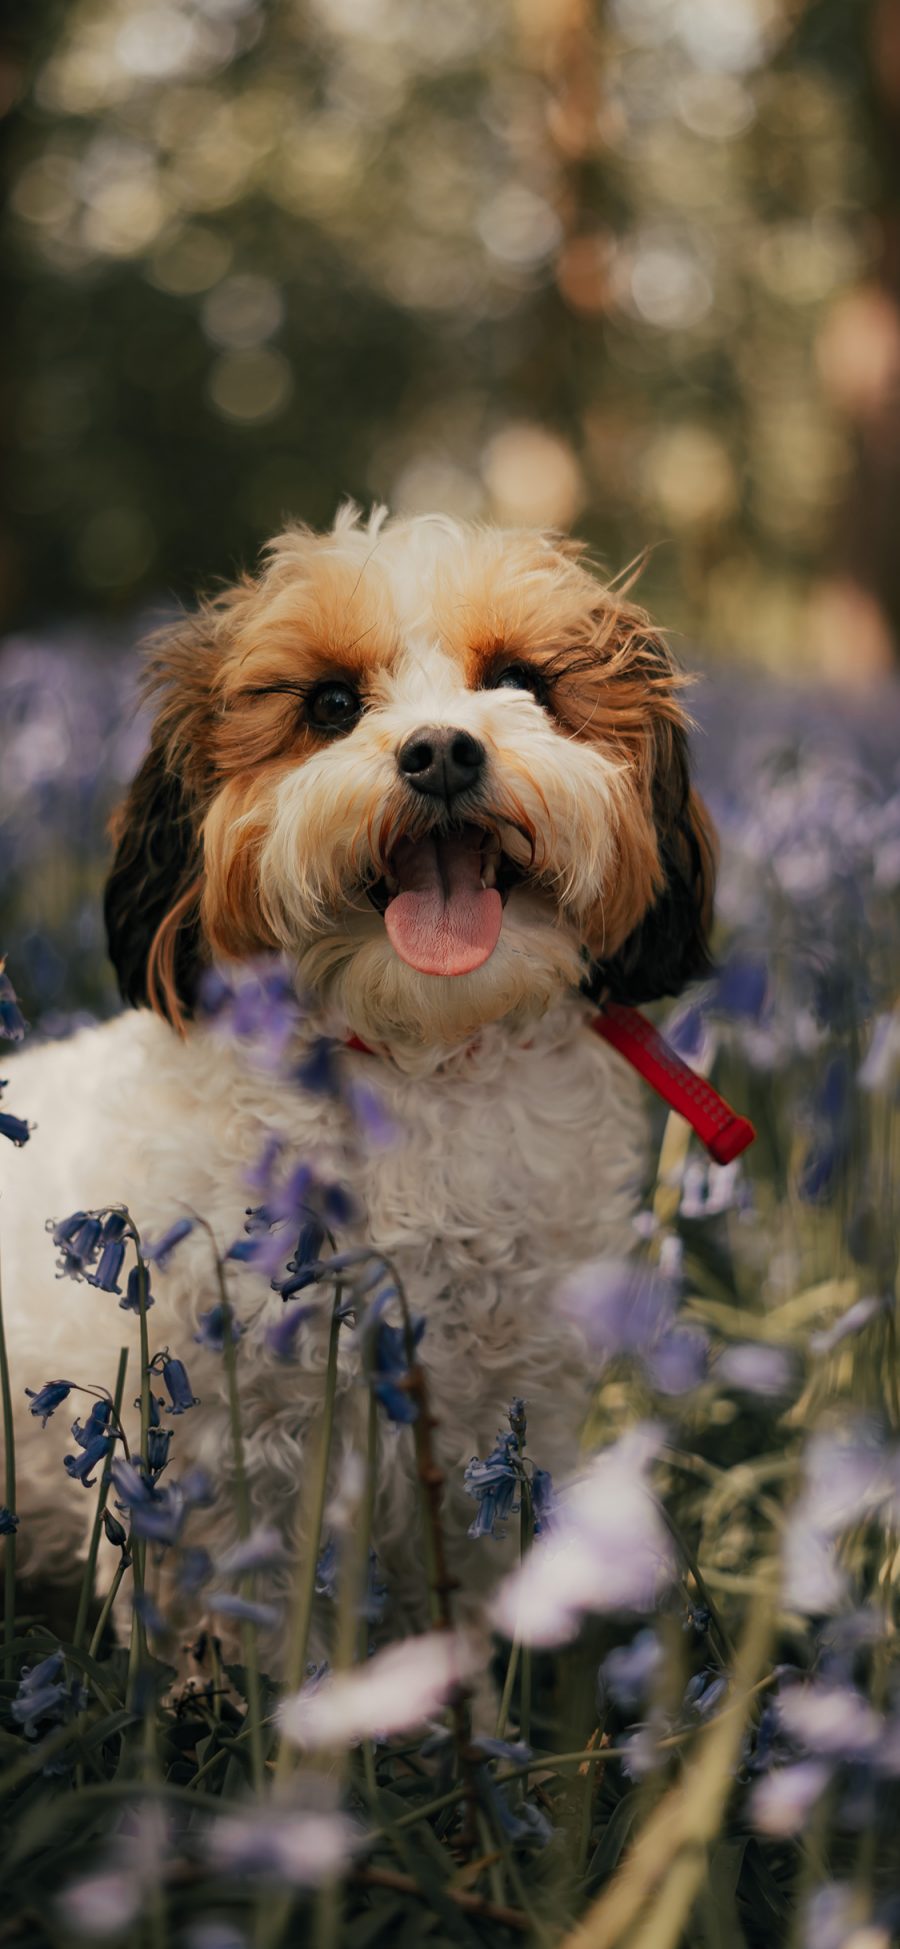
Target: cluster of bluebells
(46,1698)
(92,1245)
(500,1482)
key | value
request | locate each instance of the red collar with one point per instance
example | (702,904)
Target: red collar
(723,1133)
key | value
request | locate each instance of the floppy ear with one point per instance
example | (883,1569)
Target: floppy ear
(670,944)
(153,892)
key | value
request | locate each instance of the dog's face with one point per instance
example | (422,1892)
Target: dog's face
(441,767)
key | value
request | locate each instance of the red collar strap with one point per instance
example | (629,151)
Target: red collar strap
(724,1134)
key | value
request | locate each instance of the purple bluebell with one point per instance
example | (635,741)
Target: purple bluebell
(308,1249)
(131,1302)
(157,1514)
(109,1266)
(15,1129)
(48,1398)
(704,1692)
(377,1125)
(281,1338)
(628,1672)
(212,1327)
(42,1694)
(328,1565)
(195,1567)
(678,1361)
(622,1308)
(752,1367)
(496,1485)
(8,1522)
(543,1500)
(853,1321)
(96,1424)
(686,1031)
(828,1150)
(175,1379)
(78,1239)
(160,1250)
(159,1441)
(13,1025)
(319,1070)
(226,1603)
(741,989)
(259,1005)
(261,1550)
(525,1824)
(79,1466)
(388,1367)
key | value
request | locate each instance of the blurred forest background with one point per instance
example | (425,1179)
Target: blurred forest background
(629,268)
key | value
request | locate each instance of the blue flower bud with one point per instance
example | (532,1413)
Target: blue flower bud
(48,1398)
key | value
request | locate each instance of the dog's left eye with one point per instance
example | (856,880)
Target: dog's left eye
(333,706)
(520,676)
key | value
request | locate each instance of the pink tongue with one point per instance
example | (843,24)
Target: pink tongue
(443,921)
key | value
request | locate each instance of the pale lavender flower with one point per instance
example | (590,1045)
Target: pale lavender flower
(214,1932)
(301,1848)
(629,1671)
(835,1917)
(880,1070)
(102,1905)
(782,1801)
(678,1362)
(261,1550)
(752,1367)
(609,1550)
(281,1338)
(159,1251)
(853,1321)
(619,1306)
(227,1603)
(402,1686)
(832,1720)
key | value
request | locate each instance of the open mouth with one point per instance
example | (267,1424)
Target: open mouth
(442,897)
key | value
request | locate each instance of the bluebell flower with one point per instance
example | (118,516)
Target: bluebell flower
(629,1670)
(195,1567)
(678,1361)
(261,1550)
(741,989)
(12,1022)
(42,1694)
(226,1603)
(375,1121)
(175,1379)
(159,1252)
(621,1307)
(281,1339)
(79,1466)
(374,1598)
(543,1500)
(828,1150)
(326,1584)
(8,1522)
(319,1071)
(78,1238)
(159,1441)
(703,1693)
(48,1398)
(14,1128)
(308,1249)
(131,1303)
(211,1329)
(111,1261)
(157,1515)
(496,1486)
(259,1005)
(385,1352)
(95,1425)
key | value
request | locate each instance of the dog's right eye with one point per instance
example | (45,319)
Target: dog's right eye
(333,706)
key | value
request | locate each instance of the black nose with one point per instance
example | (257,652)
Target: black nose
(441,762)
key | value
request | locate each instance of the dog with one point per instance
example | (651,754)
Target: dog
(443,770)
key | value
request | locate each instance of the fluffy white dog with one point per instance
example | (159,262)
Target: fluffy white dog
(444,771)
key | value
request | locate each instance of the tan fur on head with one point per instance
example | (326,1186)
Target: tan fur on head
(250,828)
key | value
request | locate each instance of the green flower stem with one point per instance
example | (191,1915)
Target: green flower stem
(245,1520)
(366,1528)
(90,1568)
(138,1647)
(9,1492)
(108,1603)
(306,1581)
